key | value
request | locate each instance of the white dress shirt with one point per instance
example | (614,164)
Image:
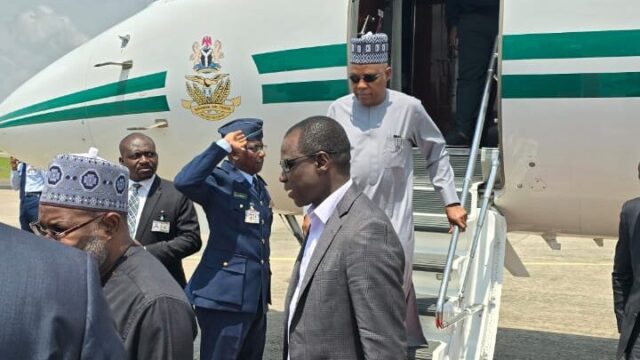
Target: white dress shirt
(318,216)
(143,192)
(34,181)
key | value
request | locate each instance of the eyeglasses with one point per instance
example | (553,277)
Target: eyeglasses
(257,148)
(138,155)
(368,78)
(42,230)
(288,164)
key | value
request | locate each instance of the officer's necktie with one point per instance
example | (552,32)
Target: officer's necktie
(134,202)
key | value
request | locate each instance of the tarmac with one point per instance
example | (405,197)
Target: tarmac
(564,310)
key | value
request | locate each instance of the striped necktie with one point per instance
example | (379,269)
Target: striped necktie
(134,202)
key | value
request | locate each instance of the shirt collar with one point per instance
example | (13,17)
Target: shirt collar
(328,206)
(246,176)
(144,184)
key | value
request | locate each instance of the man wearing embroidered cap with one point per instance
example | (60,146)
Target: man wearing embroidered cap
(230,288)
(84,205)
(383,125)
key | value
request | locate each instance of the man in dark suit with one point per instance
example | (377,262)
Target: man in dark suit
(345,298)
(162,219)
(231,286)
(626,285)
(84,205)
(51,302)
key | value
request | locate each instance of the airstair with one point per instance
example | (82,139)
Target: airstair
(458,277)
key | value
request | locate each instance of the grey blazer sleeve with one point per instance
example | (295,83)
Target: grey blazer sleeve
(101,339)
(375,262)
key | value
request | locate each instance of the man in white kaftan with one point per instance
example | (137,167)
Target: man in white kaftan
(383,125)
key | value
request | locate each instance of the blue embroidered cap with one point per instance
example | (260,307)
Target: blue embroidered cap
(370,49)
(86,182)
(252,128)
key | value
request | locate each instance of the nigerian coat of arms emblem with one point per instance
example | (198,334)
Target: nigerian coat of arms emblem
(208,88)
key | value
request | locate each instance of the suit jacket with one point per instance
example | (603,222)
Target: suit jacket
(234,273)
(51,302)
(183,238)
(351,304)
(626,264)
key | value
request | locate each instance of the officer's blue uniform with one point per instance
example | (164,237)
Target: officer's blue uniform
(231,286)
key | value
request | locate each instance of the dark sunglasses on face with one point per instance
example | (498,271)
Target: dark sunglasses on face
(368,78)
(288,164)
(42,230)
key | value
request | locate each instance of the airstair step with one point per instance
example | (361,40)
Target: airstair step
(427,200)
(458,158)
(422,352)
(426,305)
(429,262)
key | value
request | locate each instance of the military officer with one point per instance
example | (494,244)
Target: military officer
(230,288)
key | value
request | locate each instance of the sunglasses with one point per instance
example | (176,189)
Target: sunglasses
(42,230)
(288,164)
(368,78)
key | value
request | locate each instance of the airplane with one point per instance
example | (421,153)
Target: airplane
(568,91)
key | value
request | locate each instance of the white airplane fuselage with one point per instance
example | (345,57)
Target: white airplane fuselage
(569,160)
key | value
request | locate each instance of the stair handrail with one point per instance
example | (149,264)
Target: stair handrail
(474,150)
(486,198)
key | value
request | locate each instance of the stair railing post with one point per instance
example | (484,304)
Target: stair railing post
(475,145)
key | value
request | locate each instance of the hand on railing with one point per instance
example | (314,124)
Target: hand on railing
(457,215)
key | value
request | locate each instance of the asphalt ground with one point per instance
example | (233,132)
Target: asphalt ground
(564,310)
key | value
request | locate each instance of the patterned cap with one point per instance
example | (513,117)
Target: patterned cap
(251,128)
(86,182)
(370,49)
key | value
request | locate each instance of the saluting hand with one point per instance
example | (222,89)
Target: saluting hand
(14,163)
(456,215)
(237,140)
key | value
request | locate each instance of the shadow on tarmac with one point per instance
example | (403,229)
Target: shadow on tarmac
(514,344)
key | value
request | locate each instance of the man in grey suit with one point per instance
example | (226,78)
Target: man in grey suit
(345,298)
(51,302)
(626,285)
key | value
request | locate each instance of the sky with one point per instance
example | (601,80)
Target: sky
(35,33)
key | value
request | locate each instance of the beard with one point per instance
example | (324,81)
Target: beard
(97,248)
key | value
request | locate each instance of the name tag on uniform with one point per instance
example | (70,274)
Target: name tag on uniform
(252,216)
(160,226)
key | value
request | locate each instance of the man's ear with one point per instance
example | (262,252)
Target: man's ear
(322,161)
(387,73)
(111,222)
(120,160)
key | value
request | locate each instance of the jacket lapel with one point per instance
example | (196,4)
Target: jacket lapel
(149,205)
(331,229)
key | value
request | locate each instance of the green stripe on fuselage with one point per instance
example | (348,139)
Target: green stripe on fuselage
(587,44)
(302,59)
(126,107)
(147,82)
(596,85)
(326,90)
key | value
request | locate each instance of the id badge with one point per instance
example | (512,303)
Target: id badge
(252,216)
(160,226)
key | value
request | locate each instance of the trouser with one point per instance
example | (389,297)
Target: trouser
(227,335)
(476,35)
(29,210)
